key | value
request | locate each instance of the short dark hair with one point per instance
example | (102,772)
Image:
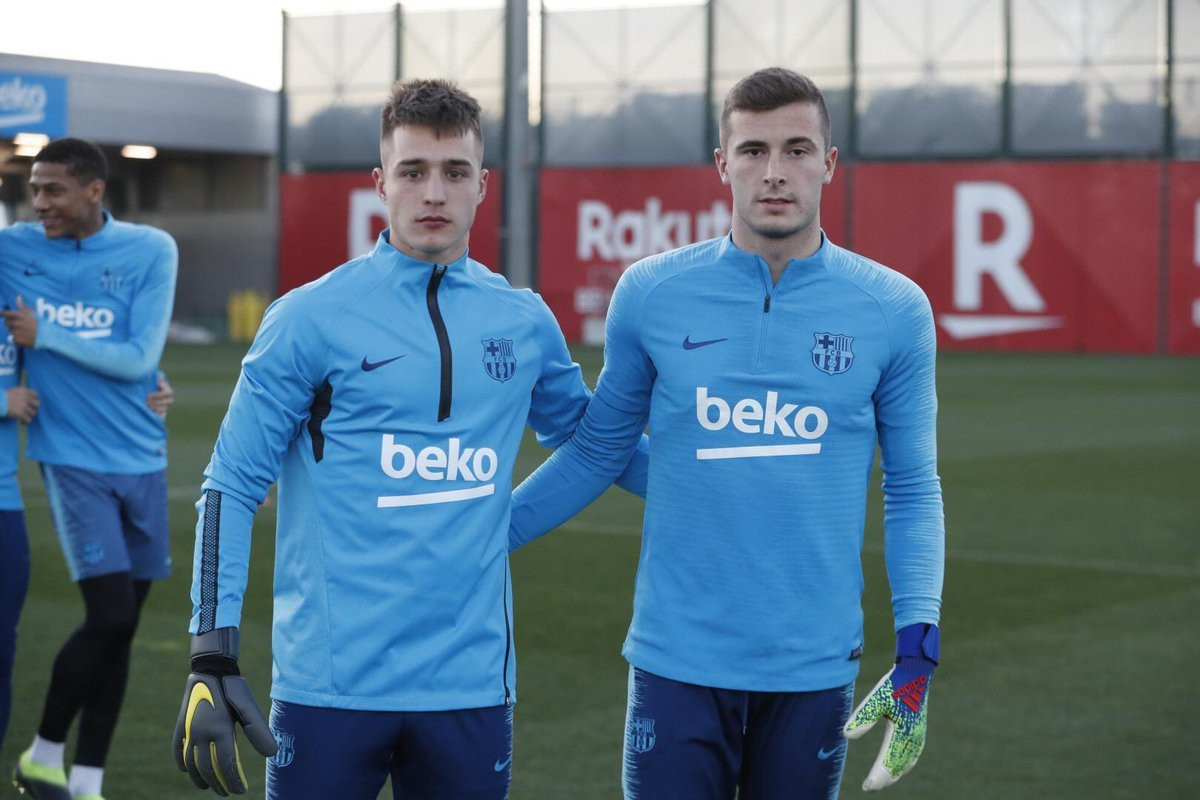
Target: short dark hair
(84,160)
(431,103)
(772,88)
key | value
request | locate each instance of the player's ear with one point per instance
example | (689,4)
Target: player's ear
(830,165)
(483,176)
(722,165)
(95,191)
(380,189)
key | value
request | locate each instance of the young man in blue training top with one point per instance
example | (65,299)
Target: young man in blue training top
(89,300)
(389,398)
(769,364)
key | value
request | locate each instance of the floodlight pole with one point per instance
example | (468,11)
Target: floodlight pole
(517,228)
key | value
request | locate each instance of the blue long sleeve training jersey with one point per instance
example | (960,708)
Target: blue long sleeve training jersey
(389,397)
(765,404)
(10,376)
(103,305)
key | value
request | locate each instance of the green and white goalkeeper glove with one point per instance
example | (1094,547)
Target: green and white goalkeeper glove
(215,697)
(900,699)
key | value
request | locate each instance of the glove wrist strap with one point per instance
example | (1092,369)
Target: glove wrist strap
(919,640)
(216,652)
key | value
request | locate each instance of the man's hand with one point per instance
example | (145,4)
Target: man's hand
(22,403)
(22,324)
(900,699)
(215,697)
(162,399)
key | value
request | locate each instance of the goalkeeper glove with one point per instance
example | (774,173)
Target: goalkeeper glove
(216,696)
(900,698)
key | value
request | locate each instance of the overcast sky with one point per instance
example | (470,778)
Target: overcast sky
(239,39)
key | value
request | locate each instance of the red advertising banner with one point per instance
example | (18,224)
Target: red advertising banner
(327,218)
(1028,256)
(1183,247)
(594,223)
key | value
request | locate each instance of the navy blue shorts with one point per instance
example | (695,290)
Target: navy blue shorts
(688,742)
(110,523)
(430,755)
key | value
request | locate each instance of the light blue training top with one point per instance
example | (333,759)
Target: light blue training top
(765,404)
(103,304)
(10,376)
(389,398)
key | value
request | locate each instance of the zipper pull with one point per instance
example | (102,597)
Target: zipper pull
(767,304)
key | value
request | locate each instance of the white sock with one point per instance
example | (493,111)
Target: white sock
(47,753)
(85,780)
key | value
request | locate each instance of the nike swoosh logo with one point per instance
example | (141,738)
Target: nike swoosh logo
(688,344)
(368,365)
(824,754)
(500,766)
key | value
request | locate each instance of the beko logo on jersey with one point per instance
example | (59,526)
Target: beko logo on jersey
(453,463)
(771,418)
(88,322)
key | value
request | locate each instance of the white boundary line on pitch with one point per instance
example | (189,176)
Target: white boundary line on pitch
(980,556)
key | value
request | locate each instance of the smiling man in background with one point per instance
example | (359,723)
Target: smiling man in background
(89,299)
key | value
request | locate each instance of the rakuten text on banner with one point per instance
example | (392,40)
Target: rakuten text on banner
(594,223)
(1030,256)
(328,218)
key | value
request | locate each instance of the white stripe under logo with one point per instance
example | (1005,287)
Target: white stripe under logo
(431,498)
(762,451)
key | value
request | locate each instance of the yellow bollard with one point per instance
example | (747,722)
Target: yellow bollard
(244,311)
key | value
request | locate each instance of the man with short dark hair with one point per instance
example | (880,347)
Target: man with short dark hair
(769,363)
(89,299)
(389,398)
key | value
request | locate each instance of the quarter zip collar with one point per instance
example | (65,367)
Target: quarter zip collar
(797,266)
(96,241)
(408,270)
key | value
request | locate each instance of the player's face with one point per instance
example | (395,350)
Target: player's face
(775,162)
(66,206)
(431,187)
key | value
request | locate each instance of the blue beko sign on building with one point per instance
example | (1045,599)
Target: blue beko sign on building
(33,104)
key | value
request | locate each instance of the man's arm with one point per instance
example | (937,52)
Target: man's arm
(279,380)
(149,318)
(906,419)
(914,547)
(561,396)
(269,404)
(608,434)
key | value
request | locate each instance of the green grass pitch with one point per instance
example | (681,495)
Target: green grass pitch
(1071,641)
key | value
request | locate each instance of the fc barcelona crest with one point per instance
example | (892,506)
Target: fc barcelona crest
(111,280)
(499,359)
(831,353)
(286,752)
(641,734)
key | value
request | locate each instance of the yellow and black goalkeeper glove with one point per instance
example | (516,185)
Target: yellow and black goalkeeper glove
(215,697)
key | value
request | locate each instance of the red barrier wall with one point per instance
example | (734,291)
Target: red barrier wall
(1061,256)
